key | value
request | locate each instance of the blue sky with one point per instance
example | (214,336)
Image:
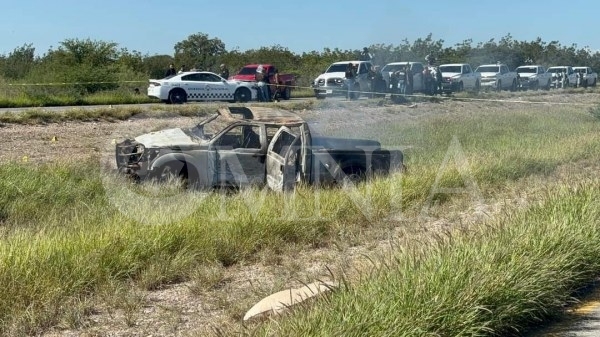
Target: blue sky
(155,26)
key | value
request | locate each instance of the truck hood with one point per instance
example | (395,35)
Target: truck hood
(450,74)
(326,76)
(389,73)
(243,78)
(527,75)
(489,74)
(345,144)
(555,71)
(166,138)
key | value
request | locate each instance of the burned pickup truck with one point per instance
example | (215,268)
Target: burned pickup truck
(252,146)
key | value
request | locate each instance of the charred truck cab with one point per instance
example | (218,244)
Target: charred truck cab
(252,146)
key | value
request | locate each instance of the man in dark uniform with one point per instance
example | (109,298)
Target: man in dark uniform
(224,71)
(350,76)
(377,82)
(170,71)
(409,77)
(366,55)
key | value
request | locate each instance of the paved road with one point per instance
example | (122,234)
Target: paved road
(149,105)
(584,321)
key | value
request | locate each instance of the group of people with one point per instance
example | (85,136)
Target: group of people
(224,72)
(172,72)
(401,81)
(375,77)
(264,80)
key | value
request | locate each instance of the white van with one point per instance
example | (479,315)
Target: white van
(333,81)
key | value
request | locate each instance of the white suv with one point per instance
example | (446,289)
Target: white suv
(562,76)
(333,81)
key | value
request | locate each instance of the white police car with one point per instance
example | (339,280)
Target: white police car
(200,86)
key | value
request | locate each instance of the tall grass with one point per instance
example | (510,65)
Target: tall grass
(500,279)
(25,97)
(68,231)
(63,239)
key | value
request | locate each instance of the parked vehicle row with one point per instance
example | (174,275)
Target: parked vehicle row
(445,78)
(449,78)
(333,82)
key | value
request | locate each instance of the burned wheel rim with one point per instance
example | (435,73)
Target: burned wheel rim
(174,173)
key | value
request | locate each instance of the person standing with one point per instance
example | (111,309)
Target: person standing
(366,55)
(275,87)
(182,69)
(371,77)
(408,90)
(224,71)
(268,79)
(350,78)
(171,70)
(430,58)
(259,77)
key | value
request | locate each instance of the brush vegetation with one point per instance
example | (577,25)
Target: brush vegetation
(71,234)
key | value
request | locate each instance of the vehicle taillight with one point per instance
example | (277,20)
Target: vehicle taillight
(155,84)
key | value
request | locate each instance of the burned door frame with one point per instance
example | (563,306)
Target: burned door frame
(236,163)
(282,161)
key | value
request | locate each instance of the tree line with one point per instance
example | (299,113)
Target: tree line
(99,65)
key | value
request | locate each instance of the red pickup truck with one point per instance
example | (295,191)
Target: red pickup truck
(285,83)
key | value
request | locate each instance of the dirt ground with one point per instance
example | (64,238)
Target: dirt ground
(182,309)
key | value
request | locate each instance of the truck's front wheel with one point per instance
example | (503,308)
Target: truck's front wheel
(174,172)
(178,172)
